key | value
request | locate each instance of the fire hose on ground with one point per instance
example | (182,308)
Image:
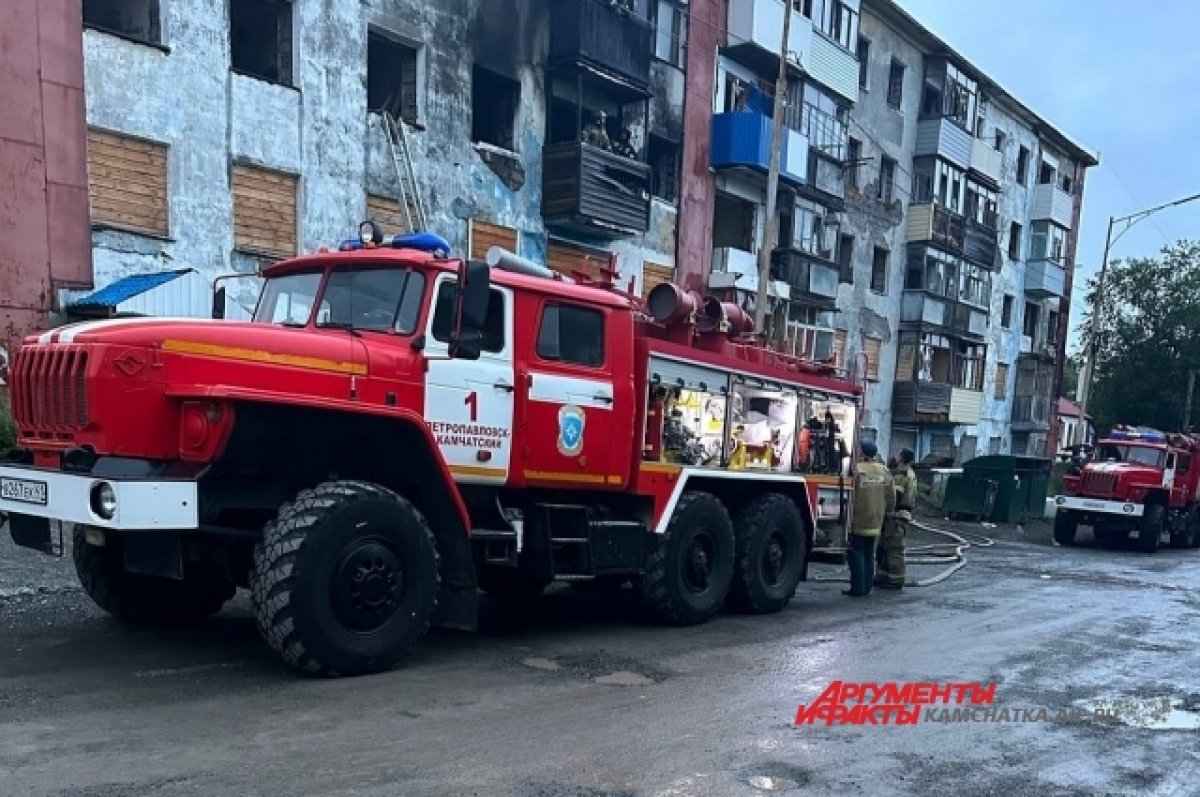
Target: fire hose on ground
(952,553)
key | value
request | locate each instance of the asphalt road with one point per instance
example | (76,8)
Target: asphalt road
(575,696)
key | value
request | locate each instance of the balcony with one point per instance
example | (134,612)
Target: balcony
(755,27)
(1031,413)
(1039,349)
(832,65)
(807,275)
(1051,202)
(585,32)
(931,222)
(980,245)
(986,160)
(742,140)
(737,268)
(935,402)
(1044,279)
(591,190)
(920,308)
(944,137)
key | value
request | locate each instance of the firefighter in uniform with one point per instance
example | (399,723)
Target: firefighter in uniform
(895,528)
(874,500)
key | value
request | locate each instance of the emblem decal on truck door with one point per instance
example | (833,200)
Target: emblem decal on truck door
(570,430)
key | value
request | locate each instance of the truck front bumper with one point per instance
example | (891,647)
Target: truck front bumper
(1098,506)
(135,504)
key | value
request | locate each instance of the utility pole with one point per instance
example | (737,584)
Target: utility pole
(771,233)
(1087,375)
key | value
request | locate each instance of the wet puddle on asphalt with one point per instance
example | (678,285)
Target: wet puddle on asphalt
(1156,714)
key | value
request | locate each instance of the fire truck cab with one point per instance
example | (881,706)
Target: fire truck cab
(395,429)
(1135,481)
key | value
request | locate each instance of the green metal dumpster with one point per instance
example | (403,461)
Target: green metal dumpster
(1020,488)
(969,497)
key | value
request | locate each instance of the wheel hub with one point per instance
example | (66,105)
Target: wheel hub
(367,585)
(774,559)
(698,564)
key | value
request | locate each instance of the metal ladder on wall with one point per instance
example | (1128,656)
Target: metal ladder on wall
(412,209)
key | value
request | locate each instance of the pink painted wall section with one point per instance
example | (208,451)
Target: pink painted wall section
(693,257)
(45,237)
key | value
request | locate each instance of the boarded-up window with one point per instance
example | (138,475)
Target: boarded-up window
(873,348)
(653,274)
(905,360)
(839,346)
(385,212)
(127,183)
(484,236)
(1001,380)
(264,211)
(567,258)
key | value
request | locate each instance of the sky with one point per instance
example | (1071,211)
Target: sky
(1120,78)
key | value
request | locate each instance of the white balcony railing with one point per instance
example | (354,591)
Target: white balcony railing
(1051,202)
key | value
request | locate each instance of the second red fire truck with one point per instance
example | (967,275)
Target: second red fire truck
(396,428)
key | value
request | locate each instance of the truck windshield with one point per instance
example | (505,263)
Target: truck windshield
(372,300)
(1139,455)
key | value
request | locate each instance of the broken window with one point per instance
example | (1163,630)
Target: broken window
(260,39)
(853,156)
(879,268)
(846,259)
(670,31)
(135,19)
(733,223)
(887,179)
(1014,241)
(864,56)
(494,102)
(1006,313)
(1032,316)
(1046,175)
(391,78)
(1022,165)
(664,162)
(895,92)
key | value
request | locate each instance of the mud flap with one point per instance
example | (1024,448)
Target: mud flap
(458,597)
(37,533)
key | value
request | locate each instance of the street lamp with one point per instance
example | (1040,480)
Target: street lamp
(1098,309)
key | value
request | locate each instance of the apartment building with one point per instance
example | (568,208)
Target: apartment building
(927,220)
(926,217)
(224,136)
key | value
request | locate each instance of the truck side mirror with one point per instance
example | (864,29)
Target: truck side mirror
(470,309)
(218,305)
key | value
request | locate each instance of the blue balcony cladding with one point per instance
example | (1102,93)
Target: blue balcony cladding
(743,139)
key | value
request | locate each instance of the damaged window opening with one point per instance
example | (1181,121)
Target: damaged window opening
(260,39)
(664,161)
(670,31)
(391,78)
(494,102)
(134,19)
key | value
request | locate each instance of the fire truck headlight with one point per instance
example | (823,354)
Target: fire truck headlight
(104,500)
(1060,500)
(1128,509)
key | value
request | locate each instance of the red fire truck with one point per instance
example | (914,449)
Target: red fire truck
(396,429)
(1136,480)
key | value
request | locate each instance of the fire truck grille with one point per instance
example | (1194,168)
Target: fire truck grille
(1099,483)
(49,391)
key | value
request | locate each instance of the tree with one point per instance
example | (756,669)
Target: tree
(1146,338)
(1070,380)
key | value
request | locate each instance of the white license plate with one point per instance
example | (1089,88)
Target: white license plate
(23,491)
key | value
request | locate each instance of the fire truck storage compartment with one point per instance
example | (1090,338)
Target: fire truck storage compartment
(1019,491)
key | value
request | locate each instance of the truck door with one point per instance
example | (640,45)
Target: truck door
(568,399)
(469,403)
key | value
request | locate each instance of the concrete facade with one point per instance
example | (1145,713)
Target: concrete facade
(43,170)
(316,126)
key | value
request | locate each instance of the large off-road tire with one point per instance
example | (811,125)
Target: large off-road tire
(689,567)
(1194,522)
(1066,524)
(1150,528)
(141,599)
(345,579)
(770,553)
